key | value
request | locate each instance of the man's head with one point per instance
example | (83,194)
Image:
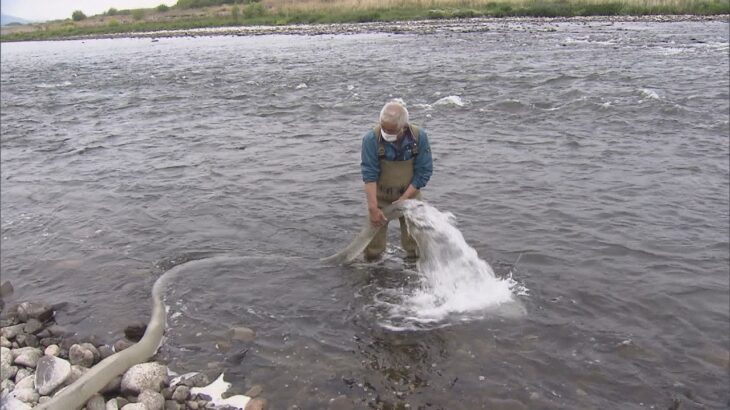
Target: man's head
(393,120)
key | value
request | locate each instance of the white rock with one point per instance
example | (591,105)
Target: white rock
(134,406)
(4,342)
(6,360)
(7,385)
(27,356)
(112,405)
(22,374)
(151,399)
(26,395)
(144,376)
(28,382)
(50,373)
(52,350)
(11,403)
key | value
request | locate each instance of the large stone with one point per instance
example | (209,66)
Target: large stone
(151,399)
(105,351)
(23,373)
(50,373)
(27,382)
(340,403)
(172,405)
(32,310)
(10,332)
(90,347)
(33,326)
(26,356)
(181,394)
(96,402)
(81,356)
(11,403)
(6,360)
(254,391)
(135,331)
(134,406)
(25,395)
(7,385)
(191,380)
(121,344)
(144,376)
(25,339)
(256,404)
(4,342)
(242,334)
(6,289)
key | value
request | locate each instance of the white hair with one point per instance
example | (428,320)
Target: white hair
(395,111)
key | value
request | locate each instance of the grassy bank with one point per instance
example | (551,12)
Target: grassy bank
(284,12)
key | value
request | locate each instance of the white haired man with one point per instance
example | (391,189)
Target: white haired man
(396,164)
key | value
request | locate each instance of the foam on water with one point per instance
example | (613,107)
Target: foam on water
(455,282)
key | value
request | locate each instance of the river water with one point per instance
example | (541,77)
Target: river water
(587,163)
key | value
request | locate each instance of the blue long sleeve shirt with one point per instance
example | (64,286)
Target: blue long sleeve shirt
(422,165)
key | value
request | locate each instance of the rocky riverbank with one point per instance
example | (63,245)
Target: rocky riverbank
(478,24)
(38,358)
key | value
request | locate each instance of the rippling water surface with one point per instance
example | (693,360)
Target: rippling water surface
(590,162)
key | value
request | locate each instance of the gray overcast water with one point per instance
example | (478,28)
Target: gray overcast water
(595,154)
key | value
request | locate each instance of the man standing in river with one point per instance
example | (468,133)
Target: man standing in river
(396,164)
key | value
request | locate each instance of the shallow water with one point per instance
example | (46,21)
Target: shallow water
(593,155)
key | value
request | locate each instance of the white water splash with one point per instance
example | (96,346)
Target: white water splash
(455,281)
(649,94)
(450,100)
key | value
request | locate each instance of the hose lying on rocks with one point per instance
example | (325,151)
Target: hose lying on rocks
(361,241)
(75,395)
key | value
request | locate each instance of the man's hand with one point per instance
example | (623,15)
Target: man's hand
(377,217)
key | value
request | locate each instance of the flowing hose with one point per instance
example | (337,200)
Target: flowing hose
(361,241)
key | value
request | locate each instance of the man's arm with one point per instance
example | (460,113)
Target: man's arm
(370,168)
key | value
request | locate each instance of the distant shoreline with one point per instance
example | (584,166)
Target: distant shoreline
(477,24)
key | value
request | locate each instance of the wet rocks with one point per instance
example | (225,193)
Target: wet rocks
(38,358)
(242,334)
(51,372)
(144,376)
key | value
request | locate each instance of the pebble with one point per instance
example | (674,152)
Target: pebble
(134,406)
(26,395)
(33,326)
(52,350)
(152,400)
(96,402)
(242,334)
(80,355)
(112,405)
(10,332)
(31,310)
(258,404)
(181,394)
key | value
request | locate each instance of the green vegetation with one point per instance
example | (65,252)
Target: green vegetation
(163,8)
(78,15)
(222,13)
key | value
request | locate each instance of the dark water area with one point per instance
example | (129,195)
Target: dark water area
(587,161)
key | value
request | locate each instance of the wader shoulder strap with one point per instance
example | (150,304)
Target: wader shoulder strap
(381,144)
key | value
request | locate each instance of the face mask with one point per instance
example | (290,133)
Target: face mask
(389,137)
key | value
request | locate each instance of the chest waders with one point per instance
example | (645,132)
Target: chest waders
(395,177)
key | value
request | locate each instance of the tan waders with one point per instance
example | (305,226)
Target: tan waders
(395,177)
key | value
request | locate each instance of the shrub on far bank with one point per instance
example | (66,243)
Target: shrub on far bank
(78,15)
(163,8)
